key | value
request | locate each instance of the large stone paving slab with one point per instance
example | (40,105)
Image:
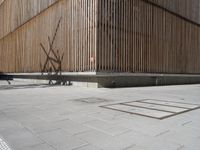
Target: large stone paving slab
(66,118)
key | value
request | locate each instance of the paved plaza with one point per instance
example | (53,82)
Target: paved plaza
(43,117)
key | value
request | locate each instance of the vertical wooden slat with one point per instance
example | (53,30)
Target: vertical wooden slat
(105,35)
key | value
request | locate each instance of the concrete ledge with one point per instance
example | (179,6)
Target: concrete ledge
(118,79)
(148,80)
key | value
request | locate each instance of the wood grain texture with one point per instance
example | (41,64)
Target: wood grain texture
(20,51)
(186,8)
(14,13)
(135,36)
(103,36)
(1,1)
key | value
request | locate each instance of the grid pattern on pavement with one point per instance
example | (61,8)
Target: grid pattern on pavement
(153,108)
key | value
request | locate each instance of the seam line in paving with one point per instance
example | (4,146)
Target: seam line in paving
(171,102)
(126,104)
(164,105)
(186,123)
(175,114)
(162,133)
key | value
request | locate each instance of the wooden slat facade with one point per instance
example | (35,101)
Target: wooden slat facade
(189,9)
(102,36)
(135,36)
(20,50)
(14,13)
(1,1)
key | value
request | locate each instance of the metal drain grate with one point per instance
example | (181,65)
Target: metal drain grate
(91,100)
(4,145)
(158,109)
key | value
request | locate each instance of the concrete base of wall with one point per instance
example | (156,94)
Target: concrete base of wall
(85,84)
(112,80)
(148,80)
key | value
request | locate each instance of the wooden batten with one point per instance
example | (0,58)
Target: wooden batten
(148,36)
(14,14)
(21,51)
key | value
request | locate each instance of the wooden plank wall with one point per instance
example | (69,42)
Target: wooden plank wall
(134,36)
(186,8)
(99,35)
(1,1)
(20,51)
(14,13)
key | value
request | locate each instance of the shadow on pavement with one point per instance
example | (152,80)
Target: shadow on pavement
(29,86)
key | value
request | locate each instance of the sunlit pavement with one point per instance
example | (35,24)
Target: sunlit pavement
(43,117)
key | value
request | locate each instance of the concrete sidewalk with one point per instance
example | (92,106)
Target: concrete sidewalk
(42,117)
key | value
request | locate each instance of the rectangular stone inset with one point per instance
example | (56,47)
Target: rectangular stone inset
(170,103)
(139,111)
(159,109)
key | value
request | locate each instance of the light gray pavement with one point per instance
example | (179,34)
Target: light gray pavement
(39,117)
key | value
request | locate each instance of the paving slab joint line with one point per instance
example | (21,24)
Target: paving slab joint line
(186,123)
(128,147)
(87,144)
(182,112)
(46,142)
(127,104)
(82,146)
(171,102)
(165,105)
(122,133)
(162,133)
